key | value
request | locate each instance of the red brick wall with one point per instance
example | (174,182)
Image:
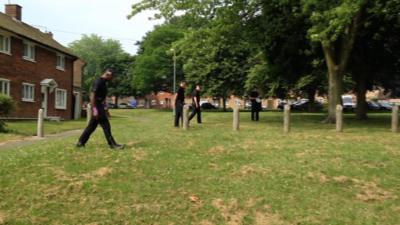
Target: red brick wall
(18,70)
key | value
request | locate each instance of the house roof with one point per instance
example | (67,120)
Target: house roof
(20,28)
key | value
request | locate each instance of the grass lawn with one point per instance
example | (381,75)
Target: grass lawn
(20,129)
(210,174)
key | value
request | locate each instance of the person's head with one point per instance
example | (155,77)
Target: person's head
(108,74)
(183,84)
(198,87)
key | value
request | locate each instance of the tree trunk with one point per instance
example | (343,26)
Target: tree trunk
(337,57)
(361,90)
(311,99)
(224,103)
(335,81)
(116,101)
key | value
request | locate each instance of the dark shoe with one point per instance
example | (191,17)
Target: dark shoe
(79,145)
(117,146)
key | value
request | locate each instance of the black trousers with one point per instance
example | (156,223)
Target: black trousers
(178,113)
(255,114)
(102,119)
(194,112)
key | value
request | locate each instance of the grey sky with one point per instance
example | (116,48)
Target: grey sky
(67,19)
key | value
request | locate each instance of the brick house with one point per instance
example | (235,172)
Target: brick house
(35,70)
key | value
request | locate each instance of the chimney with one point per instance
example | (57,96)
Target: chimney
(50,34)
(14,11)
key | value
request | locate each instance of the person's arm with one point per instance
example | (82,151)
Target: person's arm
(196,103)
(93,104)
(174,99)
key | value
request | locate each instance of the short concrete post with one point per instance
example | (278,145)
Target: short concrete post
(286,119)
(339,118)
(88,113)
(185,117)
(395,119)
(236,119)
(40,129)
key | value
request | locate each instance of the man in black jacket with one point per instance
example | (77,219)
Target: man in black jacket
(196,104)
(100,113)
(255,105)
(179,103)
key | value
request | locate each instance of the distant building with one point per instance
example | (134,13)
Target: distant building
(36,70)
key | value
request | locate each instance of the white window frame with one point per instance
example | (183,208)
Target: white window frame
(57,105)
(3,83)
(28,98)
(7,44)
(31,51)
(60,66)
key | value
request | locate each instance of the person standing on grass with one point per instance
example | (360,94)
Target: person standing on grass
(179,102)
(100,112)
(255,105)
(196,104)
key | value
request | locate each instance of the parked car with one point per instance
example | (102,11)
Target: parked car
(207,105)
(373,105)
(303,105)
(122,105)
(348,103)
(386,106)
(282,104)
(111,105)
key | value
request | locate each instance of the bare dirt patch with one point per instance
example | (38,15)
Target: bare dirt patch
(2,218)
(216,150)
(317,175)
(268,219)
(247,170)
(230,211)
(205,222)
(146,207)
(368,190)
(139,155)
(102,172)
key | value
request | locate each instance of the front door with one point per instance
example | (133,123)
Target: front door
(44,100)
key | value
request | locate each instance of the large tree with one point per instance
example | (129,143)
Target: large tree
(216,58)
(153,70)
(376,54)
(99,53)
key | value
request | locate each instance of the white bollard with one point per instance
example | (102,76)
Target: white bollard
(236,119)
(40,129)
(339,118)
(286,119)
(88,113)
(185,117)
(395,119)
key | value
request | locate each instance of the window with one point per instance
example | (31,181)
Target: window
(4,86)
(29,51)
(28,92)
(60,61)
(5,44)
(61,99)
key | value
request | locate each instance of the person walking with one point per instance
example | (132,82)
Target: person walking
(255,105)
(196,104)
(100,112)
(179,103)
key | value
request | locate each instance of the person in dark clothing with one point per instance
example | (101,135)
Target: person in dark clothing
(100,112)
(179,103)
(196,104)
(255,105)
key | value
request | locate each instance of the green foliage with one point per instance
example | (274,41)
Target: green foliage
(153,69)
(216,57)
(330,18)
(98,54)
(6,107)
